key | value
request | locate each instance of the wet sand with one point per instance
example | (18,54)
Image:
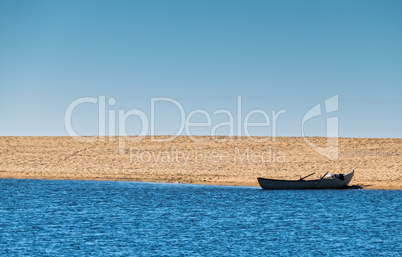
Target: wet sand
(216,161)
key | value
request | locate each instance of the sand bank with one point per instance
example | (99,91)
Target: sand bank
(200,160)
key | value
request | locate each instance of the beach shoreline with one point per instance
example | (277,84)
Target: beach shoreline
(351,186)
(227,161)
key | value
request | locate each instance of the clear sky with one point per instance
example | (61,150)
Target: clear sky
(276,55)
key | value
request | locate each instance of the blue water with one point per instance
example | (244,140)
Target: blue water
(65,218)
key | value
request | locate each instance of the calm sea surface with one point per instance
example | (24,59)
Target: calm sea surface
(65,218)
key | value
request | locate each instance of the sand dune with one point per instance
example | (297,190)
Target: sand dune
(218,161)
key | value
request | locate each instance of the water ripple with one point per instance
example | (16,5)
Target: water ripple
(75,218)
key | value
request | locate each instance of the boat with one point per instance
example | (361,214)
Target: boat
(328,181)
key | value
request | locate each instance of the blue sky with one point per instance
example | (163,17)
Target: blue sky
(276,55)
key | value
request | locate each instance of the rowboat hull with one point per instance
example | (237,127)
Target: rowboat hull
(325,183)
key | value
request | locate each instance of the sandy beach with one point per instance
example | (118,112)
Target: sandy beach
(201,160)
